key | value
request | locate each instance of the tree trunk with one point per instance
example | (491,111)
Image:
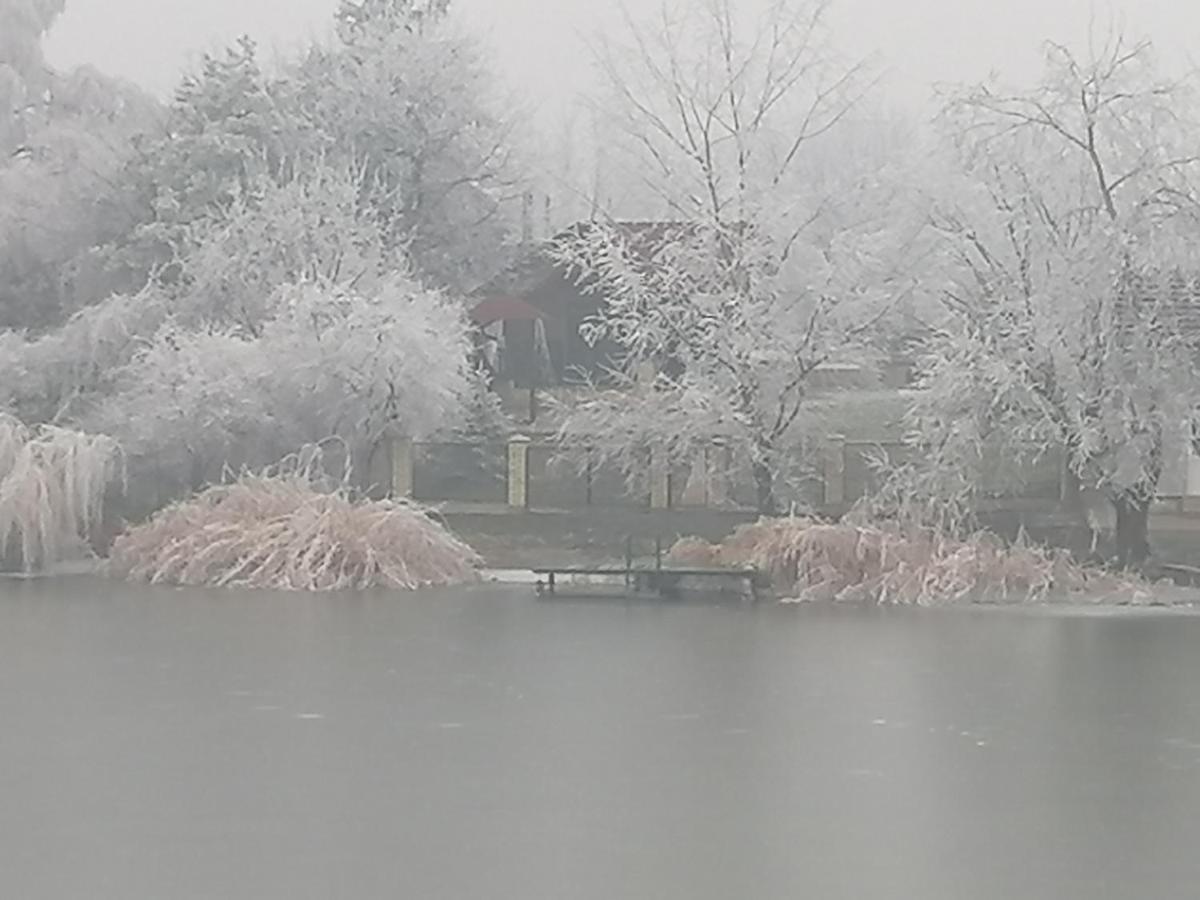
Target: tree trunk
(1133,528)
(764,485)
(1133,512)
(763,454)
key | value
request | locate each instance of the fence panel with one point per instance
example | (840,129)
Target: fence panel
(554,483)
(558,483)
(468,473)
(611,487)
(719,477)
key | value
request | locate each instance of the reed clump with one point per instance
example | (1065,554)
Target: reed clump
(281,531)
(809,560)
(53,482)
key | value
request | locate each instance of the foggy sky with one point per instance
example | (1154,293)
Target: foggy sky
(538,49)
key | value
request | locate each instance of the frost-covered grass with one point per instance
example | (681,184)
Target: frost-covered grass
(279,531)
(52,487)
(811,560)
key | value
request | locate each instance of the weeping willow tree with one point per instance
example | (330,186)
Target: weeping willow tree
(52,487)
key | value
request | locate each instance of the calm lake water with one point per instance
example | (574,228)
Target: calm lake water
(484,744)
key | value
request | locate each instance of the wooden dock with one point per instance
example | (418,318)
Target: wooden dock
(659,579)
(665,581)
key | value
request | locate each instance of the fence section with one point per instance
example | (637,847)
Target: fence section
(559,482)
(720,477)
(468,473)
(832,473)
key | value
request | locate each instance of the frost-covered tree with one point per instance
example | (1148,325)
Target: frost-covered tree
(61,196)
(1068,273)
(356,18)
(395,97)
(24,76)
(363,366)
(64,138)
(330,363)
(415,107)
(273,233)
(234,262)
(58,375)
(770,262)
(311,229)
(223,136)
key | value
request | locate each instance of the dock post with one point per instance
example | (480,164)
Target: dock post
(402,467)
(518,471)
(589,475)
(628,561)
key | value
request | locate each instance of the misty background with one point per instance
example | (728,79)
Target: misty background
(540,46)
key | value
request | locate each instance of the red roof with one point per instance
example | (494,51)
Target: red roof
(508,309)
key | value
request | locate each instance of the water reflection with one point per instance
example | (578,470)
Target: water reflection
(486,744)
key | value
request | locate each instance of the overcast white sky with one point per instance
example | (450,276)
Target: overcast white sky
(538,49)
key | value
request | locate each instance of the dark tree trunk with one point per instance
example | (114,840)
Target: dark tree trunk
(764,485)
(1132,506)
(1133,529)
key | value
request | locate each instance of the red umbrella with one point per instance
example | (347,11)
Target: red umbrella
(508,309)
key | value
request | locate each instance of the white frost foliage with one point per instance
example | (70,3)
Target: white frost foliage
(52,487)
(53,375)
(188,399)
(1068,269)
(330,363)
(735,341)
(777,261)
(363,365)
(309,230)
(679,418)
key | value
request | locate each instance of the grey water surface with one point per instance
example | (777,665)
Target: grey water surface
(485,744)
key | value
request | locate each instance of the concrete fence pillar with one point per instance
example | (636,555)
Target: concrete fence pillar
(720,490)
(660,479)
(699,482)
(835,470)
(402,467)
(518,471)
(1190,502)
